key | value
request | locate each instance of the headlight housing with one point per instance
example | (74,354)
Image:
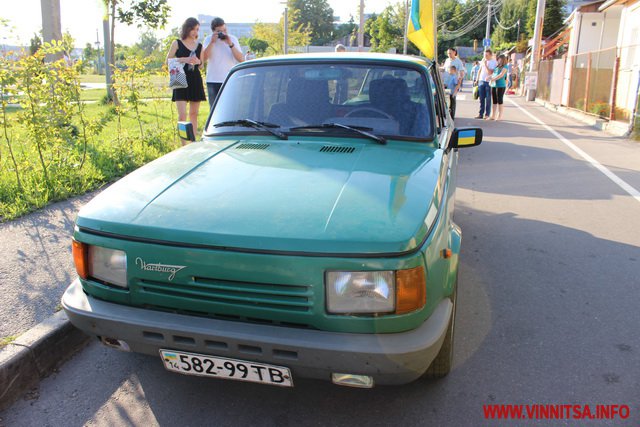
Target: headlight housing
(104,264)
(360,291)
(375,292)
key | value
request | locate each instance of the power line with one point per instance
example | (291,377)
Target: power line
(478,19)
(507,28)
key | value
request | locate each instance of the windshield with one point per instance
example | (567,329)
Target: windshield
(384,100)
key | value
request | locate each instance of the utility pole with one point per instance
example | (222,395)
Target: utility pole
(286,29)
(51,27)
(361,28)
(488,32)
(406,26)
(98,62)
(107,57)
(537,42)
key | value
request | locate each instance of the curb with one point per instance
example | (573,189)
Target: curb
(36,354)
(612,128)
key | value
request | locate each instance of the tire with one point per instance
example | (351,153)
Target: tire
(443,362)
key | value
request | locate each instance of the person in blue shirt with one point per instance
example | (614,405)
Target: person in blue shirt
(474,72)
(453,84)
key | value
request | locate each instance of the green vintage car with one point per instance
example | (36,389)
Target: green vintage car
(308,234)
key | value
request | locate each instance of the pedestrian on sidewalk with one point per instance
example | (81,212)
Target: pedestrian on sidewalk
(454,86)
(474,72)
(188,51)
(498,82)
(221,52)
(458,75)
(487,66)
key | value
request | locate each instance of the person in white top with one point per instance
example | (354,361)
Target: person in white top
(221,52)
(458,75)
(484,90)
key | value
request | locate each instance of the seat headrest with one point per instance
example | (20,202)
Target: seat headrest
(388,90)
(302,91)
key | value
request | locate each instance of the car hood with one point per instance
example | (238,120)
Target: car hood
(353,197)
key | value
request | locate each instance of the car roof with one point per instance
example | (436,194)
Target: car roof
(354,57)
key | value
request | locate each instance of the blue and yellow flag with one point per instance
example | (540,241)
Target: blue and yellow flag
(421,25)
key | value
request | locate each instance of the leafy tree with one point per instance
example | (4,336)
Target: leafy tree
(35,44)
(346,29)
(553,17)
(257,46)
(273,34)
(144,13)
(453,15)
(314,15)
(386,31)
(89,53)
(512,11)
(531,19)
(148,43)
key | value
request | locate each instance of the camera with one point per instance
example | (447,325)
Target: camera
(221,35)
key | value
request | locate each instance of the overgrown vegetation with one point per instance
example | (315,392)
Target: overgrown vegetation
(7,340)
(55,146)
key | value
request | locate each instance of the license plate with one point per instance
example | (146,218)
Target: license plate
(220,367)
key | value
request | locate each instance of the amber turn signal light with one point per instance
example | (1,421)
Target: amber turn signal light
(80,258)
(411,290)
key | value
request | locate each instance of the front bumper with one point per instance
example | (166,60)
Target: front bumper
(388,358)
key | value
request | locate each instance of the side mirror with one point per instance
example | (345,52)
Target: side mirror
(465,137)
(185,131)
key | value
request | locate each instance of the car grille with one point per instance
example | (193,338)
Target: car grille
(254,302)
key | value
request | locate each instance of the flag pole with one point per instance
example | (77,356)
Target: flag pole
(435,34)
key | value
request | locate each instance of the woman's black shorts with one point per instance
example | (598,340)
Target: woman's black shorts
(497,94)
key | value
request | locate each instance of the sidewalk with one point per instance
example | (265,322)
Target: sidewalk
(35,269)
(36,265)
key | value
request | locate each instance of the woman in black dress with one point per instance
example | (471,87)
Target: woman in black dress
(188,51)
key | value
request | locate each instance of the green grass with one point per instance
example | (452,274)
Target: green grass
(7,340)
(115,151)
(158,80)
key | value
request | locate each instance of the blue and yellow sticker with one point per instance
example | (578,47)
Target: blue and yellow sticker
(466,137)
(182,131)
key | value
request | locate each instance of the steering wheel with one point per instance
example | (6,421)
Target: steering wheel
(377,112)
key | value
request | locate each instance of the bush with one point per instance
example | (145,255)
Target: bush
(56,146)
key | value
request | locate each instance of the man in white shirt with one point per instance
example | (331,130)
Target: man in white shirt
(453,61)
(221,52)
(487,66)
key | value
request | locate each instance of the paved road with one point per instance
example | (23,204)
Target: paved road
(36,265)
(548,307)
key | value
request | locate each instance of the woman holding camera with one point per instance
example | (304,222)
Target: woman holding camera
(188,51)
(221,52)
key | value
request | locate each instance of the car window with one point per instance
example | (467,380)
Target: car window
(439,102)
(390,100)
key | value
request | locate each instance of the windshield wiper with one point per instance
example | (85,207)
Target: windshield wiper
(357,129)
(254,124)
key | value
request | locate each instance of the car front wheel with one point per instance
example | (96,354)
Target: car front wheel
(443,362)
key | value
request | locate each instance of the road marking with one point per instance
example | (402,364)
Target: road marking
(612,176)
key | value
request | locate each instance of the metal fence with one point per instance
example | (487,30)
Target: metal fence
(603,83)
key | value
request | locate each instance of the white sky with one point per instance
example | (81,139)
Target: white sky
(83,17)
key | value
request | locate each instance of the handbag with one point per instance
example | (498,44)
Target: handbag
(177,76)
(476,95)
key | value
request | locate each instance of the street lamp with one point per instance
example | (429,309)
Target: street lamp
(97,43)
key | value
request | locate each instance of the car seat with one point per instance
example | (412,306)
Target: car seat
(307,103)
